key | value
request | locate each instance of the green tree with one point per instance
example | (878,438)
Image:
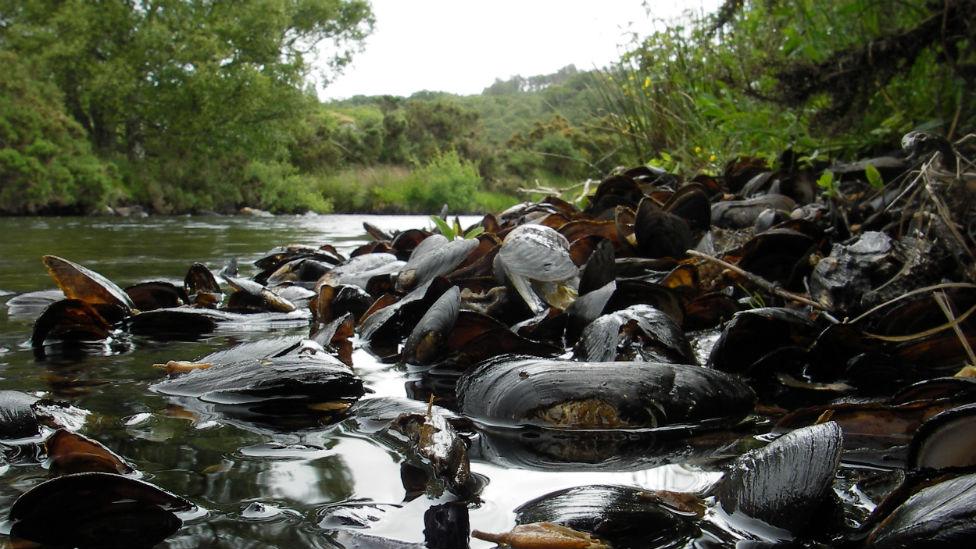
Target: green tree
(206,85)
(46,163)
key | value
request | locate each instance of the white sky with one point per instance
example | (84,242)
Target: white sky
(461,46)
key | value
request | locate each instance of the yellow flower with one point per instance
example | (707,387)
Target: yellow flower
(697,149)
(647,82)
(712,158)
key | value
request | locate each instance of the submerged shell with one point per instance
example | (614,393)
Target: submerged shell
(288,379)
(70,320)
(783,483)
(96,510)
(624,516)
(17,419)
(582,395)
(85,285)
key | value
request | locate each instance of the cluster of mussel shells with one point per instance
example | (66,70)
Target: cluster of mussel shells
(590,339)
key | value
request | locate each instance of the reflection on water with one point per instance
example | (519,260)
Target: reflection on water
(257,487)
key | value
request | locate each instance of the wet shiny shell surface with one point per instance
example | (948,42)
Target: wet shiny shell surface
(581,395)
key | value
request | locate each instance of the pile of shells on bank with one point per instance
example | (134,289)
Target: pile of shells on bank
(812,333)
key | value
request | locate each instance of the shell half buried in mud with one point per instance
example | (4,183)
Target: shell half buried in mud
(609,395)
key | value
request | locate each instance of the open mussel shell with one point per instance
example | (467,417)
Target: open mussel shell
(69,453)
(785,483)
(101,510)
(17,418)
(85,285)
(599,269)
(621,515)
(588,395)
(332,302)
(71,320)
(660,233)
(942,515)
(260,296)
(430,261)
(639,332)
(946,440)
(534,253)
(425,343)
(384,328)
(616,190)
(201,286)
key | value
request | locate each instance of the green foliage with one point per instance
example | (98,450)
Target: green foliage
(842,76)
(185,94)
(828,184)
(873,176)
(46,163)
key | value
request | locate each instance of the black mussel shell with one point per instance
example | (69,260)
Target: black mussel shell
(740,170)
(407,241)
(358,270)
(17,419)
(623,516)
(438,259)
(425,344)
(100,510)
(943,515)
(477,337)
(599,269)
(71,320)
(785,483)
(267,300)
(613,191)
(156,295)
(201,286)
(755,333)
(739,214)
(584,395)
(691,203)
(290,380)
(778,255)
(946,440)
(660,233)
(639,332)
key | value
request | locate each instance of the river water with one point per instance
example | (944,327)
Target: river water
(255,487)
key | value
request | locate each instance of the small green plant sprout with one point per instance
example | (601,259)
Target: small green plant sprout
(454,231)
(874,176)
(828,184)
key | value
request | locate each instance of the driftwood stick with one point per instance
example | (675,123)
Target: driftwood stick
(760,281)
